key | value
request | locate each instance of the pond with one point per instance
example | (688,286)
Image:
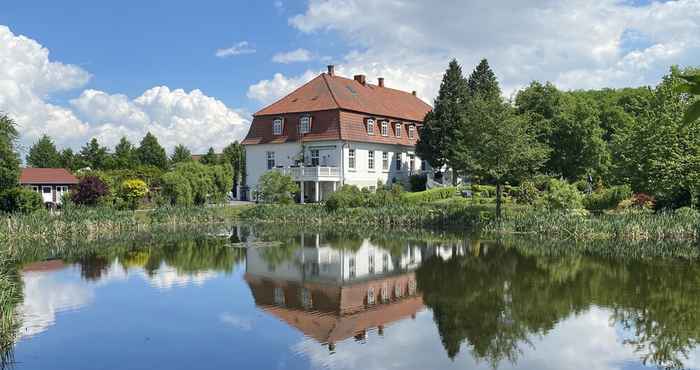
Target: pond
(273,298)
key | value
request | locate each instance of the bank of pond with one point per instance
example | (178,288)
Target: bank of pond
(489,298)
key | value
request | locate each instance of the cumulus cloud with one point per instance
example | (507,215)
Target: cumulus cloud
(240,48)
(267,91)
(298,55)
(573,43)
(28,78)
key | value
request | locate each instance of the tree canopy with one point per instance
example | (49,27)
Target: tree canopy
(151,153)
(43,154)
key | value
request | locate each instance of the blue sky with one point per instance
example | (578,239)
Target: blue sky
(76,70)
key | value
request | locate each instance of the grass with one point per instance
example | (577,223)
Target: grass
(10,297)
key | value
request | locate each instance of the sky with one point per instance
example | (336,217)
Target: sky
(193,73)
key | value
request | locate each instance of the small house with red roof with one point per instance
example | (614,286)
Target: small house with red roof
(51,183)
(334,131)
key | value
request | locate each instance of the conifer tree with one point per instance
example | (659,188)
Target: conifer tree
(210,158)
(43,154)
(181,154)
(93,155)
(124,155)
(150,153)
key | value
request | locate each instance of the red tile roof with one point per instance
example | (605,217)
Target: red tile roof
(327,92)
(46,176)
(339,107)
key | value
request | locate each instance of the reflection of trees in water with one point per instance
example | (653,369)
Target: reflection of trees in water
(10,298)
(495,301)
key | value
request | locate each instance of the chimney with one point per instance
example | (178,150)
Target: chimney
(361,79)
(413,92)
(381,81)
(331,70)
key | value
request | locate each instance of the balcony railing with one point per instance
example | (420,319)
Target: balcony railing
(311,173)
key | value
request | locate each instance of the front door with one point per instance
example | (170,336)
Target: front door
(47,194)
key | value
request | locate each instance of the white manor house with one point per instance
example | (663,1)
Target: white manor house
(334,131)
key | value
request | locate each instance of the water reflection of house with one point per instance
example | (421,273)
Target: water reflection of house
(333,294)
(44,266)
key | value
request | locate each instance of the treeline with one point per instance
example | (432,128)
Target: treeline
(601,138)
(125,177)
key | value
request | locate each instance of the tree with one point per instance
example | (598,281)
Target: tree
(93,155)
(21,200)
(180,154)
(211,158)
(483,82)
(124,155)
(274,187)
(89,191)
(132,191)
(234,154)
(151,153)
(194,183)
(440,127)
(9,161)
(43,154)
(691,86)
(68,159)
(539,104)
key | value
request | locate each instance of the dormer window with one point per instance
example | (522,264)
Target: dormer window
(397,129)
(411,131)
(385,128)
(305,124)
(370,126)
(277,124)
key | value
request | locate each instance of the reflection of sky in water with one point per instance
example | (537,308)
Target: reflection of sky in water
(209,320)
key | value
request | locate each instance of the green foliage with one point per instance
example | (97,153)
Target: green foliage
(180,154)
(68,159)
(125,156)
(132,192)
(151,153)
(9,161)
(234,154)
(562,195)
(527,193)
(93,155)
(348,196)
(43,154)
(691,86)
(607,198)
(211,158)
(20,200)
(194,183)
(431,195)
(274,187)
(177,190)
(418,182)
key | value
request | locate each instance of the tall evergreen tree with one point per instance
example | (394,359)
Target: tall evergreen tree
(211,158)
(441,126)
(93,155)
(43,154)
(150,152)
(68,159)
(234,154)
(483,82)
(180,154)
(124,155)
(9,161)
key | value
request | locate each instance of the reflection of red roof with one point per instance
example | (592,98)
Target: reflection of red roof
(337,312)
(327,92)
(59,176)
(52,265)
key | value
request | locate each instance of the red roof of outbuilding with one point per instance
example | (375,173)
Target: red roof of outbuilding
(327,92)
(46,176)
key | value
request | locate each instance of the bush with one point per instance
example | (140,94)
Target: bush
(607,198)
(194,183)
(274,187)
(132,191)
(484,191)
(430,195)
(562,195)
(90,190)
(527,192)
(348,196)
(639,202)
(176,190)
(20,200)
(418,182)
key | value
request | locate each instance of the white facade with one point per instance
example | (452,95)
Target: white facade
(338,162)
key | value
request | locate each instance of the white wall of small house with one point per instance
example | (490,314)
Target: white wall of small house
(256,158)
(55,194)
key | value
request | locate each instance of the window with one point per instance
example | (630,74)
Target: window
(397,129)
(277,126)
(411,162)
(314,158)
(385,263)
(305,124)
(423,165)
(385,128)
(270,160)
(371,263)
(370,159)
(370,126)
(47,190)
(411,131)
(306,298)
(279,296)
(370,296)
(351,159)
(385,292)
(385,161)
(398,161)
(351,267)
(35,188)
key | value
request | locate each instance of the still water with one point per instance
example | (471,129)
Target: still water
(279,299)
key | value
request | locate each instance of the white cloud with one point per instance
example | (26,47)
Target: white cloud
(573,43)
(298,55)
(28,78)
(236,321)
(240,48)
(267,91)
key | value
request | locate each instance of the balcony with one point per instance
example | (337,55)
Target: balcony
(311,173)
